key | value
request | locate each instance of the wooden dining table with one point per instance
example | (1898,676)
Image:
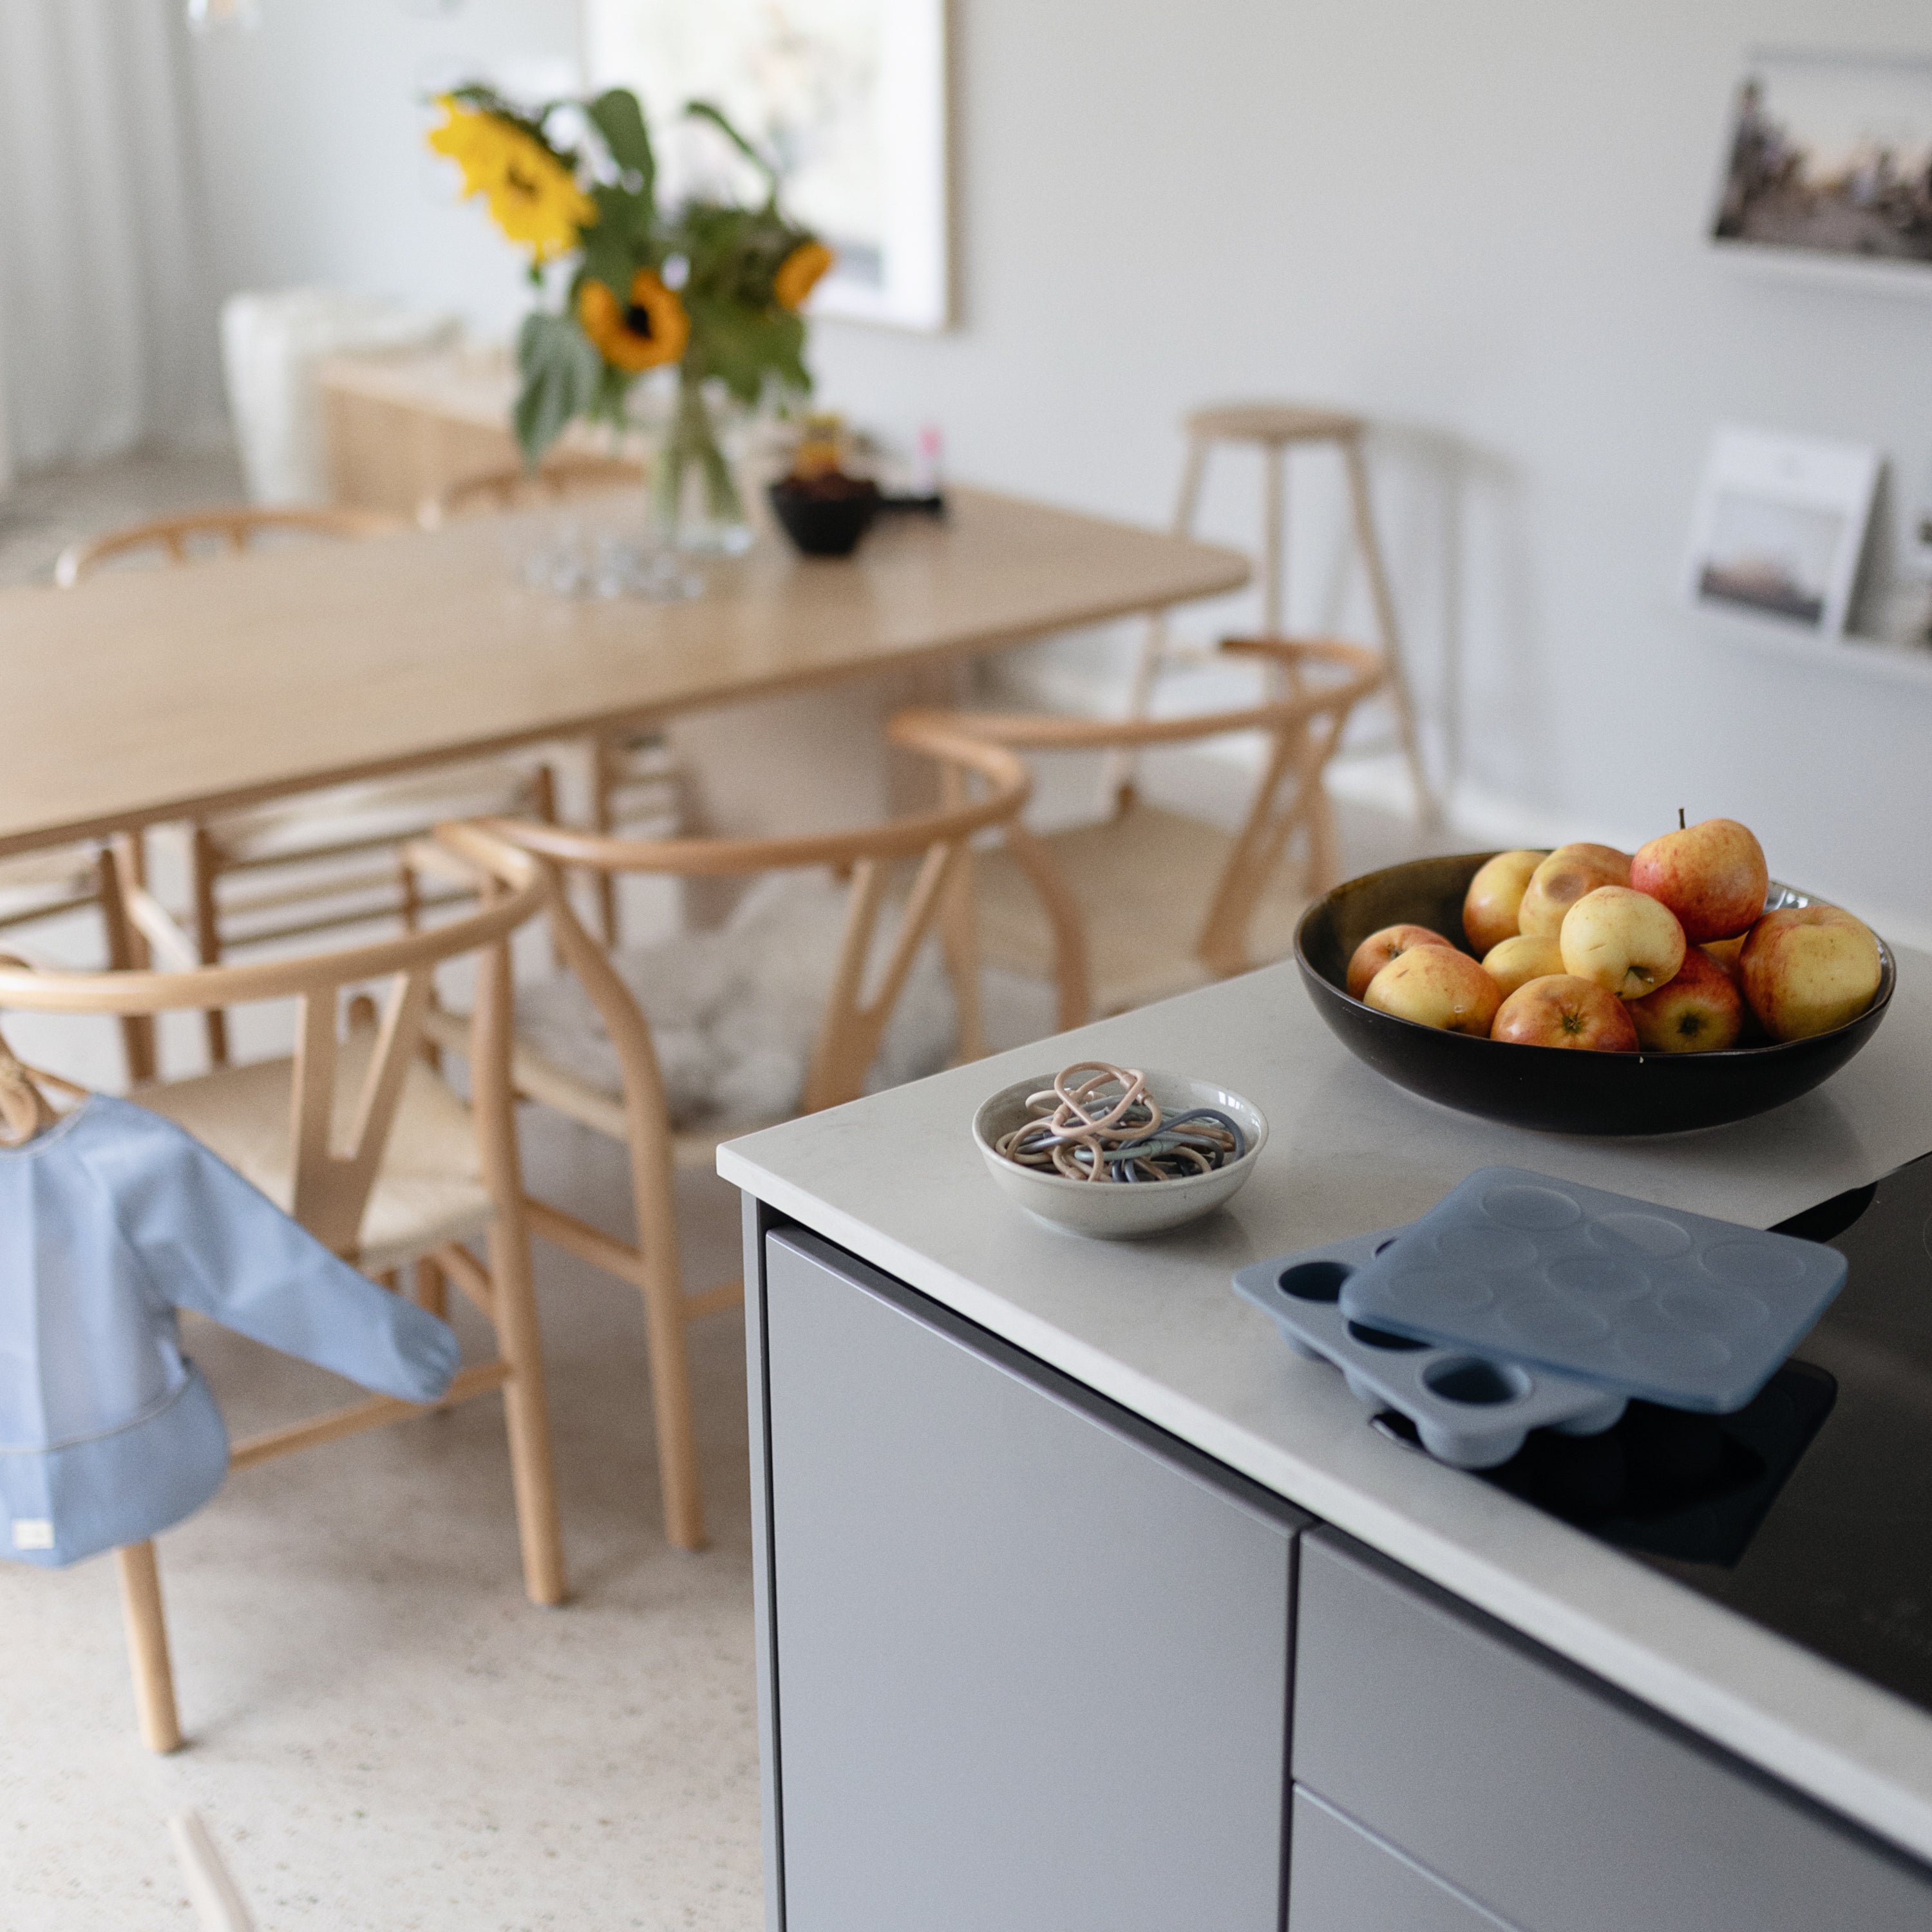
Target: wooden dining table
(145,696)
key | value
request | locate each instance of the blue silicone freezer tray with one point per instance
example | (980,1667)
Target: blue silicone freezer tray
(1675,1307)
(1468,1411)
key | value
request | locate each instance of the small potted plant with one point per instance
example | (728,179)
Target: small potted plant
(712,288)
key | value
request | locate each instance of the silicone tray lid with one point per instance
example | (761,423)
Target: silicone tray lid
(1677,1308)
(1469,1411)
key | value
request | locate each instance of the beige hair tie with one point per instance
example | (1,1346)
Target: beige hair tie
(1081,1131)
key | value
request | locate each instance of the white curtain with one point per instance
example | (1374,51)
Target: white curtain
(107,328)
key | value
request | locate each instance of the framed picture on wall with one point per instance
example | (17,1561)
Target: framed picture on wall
(1780,527)
(848,99)
(1829,165)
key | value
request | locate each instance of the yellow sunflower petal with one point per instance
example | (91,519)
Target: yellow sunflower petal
(652,329)
(534,199)
(798,273)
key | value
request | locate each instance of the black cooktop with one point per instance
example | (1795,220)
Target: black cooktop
(1810,1510)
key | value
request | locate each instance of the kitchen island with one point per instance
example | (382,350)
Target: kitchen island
(1084,1603)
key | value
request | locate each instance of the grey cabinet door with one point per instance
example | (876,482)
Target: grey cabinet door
(1558,1805)
(1030,1674)
(1346,1879)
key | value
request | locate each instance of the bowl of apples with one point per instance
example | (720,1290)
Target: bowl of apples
(1589,991)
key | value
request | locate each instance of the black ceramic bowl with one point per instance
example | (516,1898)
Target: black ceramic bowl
(824,525)
(1555,1088)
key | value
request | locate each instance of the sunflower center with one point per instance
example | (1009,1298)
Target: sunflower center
(638,320)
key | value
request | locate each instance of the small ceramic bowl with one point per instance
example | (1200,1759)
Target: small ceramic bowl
(826,525)
(1118,1210)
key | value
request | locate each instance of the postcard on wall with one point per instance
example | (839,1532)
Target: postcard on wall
(1830,160)
(847,97)
(1780,527)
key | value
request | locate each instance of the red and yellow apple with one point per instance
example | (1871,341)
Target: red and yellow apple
(1562,1010)
(1562,879)
(1436,986)
(1627,942)
(1725,952)
(1809,969)
(1514,962)
(1700,1011)
(1711,875)
(1490,908)
(1379,948)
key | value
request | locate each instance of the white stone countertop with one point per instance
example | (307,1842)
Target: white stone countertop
(1155,1325)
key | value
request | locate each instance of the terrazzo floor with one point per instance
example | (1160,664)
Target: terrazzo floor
(384,1734)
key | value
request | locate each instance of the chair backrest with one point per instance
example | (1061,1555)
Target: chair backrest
(560,478)
(178,538)
(332,1174)
(856,1015)
(1326,679)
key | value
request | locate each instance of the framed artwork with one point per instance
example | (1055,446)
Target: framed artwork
(1830,163)
(848,97)
(1780,527)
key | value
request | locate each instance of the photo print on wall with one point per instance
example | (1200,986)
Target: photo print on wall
(1780,527)
(846,99)
(1830,162)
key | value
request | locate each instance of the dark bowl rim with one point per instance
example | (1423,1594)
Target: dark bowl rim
(793,492)
(1718,1057)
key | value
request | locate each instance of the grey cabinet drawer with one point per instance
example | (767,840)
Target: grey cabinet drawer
(1560,1805)
(1342,1879)
(1031,1675)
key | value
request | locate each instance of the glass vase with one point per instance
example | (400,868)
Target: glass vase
(695,506)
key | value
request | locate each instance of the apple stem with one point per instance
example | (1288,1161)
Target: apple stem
(1680,818)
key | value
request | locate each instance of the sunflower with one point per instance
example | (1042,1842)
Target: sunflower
(798,273)
(650,329)
(534,198)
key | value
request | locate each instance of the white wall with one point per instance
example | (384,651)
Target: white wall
(311,134)
(1480,224)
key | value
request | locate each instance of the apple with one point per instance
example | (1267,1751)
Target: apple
(1489,909)
(1562,879)
(1436,986)
(1562,1010)
(1711,875)
(1807,969)
(1725,952)
(1515,961)
(1700,1011)
(1379,948)
(1624,939)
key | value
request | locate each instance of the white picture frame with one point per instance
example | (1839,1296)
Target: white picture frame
(1779,527)
(1827,170)
(851,96)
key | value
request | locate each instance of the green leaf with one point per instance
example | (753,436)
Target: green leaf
(562,372)
(618,117)
(748,348)
(620,241)
(706,110)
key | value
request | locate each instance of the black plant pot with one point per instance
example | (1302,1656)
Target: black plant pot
(822,523)
(1554,1088)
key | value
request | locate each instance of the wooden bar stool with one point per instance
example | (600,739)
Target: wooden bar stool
(1273,428)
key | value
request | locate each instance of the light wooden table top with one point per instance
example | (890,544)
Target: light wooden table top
(142,696)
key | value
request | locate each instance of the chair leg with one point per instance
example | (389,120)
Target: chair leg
(207,935)
(122,864)
(432,1289)
(672,1408)
(526,1411)
(147,1646)
(1428,812)
(603,783)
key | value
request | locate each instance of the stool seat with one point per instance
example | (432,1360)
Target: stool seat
(1272,425)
